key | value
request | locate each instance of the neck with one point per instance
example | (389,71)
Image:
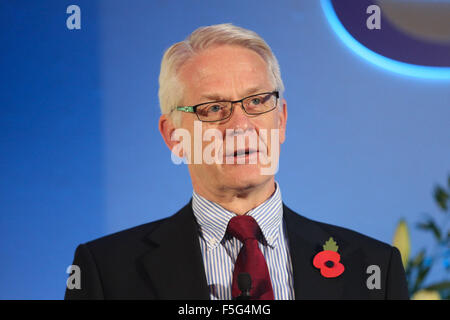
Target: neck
(238,200)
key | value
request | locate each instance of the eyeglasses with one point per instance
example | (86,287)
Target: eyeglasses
(221,110)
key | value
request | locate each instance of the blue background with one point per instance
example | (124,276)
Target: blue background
(81,155)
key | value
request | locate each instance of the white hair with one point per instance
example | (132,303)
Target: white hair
(171,88)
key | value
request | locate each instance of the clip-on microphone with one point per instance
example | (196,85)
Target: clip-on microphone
(245,284)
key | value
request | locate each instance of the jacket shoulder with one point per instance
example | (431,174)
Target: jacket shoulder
(127,236)
(345,237)
(355,237)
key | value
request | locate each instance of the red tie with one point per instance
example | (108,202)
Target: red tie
(250,258)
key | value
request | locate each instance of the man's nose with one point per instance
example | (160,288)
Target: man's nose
(239,119)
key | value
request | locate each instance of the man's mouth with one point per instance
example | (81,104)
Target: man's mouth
(242,153)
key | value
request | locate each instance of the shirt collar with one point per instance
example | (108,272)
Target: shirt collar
(213,219)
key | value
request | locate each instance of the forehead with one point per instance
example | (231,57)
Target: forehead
(224,70)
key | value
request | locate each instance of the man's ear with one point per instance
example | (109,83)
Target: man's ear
(282,119)
(167,128)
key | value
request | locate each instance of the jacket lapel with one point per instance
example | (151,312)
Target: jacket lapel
(306,238)
(174,263)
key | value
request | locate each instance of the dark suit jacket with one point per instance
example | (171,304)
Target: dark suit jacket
(162,260)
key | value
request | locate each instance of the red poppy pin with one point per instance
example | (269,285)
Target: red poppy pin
(328,260)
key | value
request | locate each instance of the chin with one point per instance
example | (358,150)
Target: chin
(243,176)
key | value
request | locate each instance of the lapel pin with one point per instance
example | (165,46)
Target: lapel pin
(328,260)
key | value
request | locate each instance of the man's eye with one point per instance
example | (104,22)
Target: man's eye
(256,101)
(214,108)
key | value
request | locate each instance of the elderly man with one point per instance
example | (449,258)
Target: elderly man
(223,113)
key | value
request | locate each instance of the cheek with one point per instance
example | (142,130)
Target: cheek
(273,131)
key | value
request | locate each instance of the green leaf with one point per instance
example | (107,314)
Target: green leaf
(422,274)
(331,245)
(418,259)
(431,225)
(441,197)
(439,286)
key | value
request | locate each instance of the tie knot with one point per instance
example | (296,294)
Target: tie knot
(243,228)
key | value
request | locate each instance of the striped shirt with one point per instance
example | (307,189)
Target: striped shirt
(220,250)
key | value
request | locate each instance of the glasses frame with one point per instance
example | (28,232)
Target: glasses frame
(193,109)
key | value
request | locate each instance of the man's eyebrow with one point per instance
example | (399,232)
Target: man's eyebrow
(218,97)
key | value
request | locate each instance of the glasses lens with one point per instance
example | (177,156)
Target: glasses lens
(214,111)
(260,103)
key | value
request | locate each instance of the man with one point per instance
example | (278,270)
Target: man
(223,112)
